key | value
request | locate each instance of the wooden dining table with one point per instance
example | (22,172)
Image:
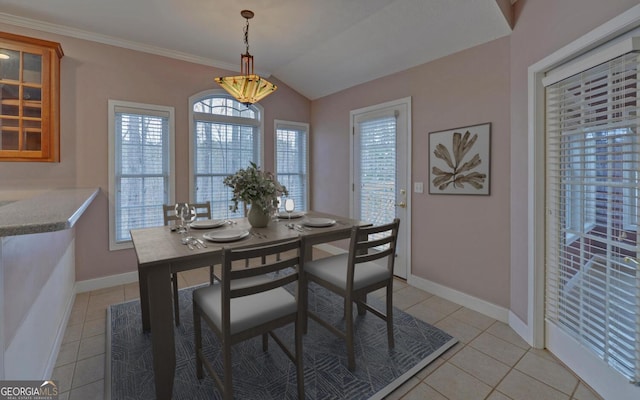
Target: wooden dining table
(160,253)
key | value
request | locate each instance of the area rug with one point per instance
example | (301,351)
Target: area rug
(271,375)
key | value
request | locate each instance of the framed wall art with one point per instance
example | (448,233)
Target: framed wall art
(459,160)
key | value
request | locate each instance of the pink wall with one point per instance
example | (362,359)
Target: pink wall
(542,27)
(93,73)
(458,241)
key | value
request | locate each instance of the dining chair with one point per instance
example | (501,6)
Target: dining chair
(245,304)
(354,274)
(203,210)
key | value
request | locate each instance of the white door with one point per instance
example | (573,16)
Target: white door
(381,170)
(592,298)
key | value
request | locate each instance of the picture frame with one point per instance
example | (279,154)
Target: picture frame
(459,160)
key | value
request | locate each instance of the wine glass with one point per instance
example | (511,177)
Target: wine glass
(277,204)
(189,217)
(289,206)
(182,210)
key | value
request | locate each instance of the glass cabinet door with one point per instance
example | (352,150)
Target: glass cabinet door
(29,99)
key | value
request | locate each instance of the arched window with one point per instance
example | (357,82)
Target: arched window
(225,136)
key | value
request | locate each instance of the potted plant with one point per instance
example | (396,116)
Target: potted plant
(259,189)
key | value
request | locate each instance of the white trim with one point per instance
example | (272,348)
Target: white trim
(300,126)
(153,110)
(474,303)
(573,68)
(520,327)
(62,328)
(113,41)
(604,380)
(106,282)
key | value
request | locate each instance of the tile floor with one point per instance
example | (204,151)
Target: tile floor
(490,362)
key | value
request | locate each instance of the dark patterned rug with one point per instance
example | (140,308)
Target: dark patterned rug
(271,375)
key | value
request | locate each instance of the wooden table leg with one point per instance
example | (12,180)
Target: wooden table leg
(144,300)
(162,336)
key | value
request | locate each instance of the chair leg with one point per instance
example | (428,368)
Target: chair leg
(198,339)
(299,366)
(390,339)
(176,303)
(228,381)
(212,275)
(351,358)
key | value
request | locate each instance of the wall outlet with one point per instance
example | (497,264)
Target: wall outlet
(418,187)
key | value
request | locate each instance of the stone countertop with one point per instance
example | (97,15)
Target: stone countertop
(51,211)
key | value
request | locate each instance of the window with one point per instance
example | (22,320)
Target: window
(225,136)
(376,135)
(592,201)
(141,172)
(292,160)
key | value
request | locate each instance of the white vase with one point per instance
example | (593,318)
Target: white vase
(258,218)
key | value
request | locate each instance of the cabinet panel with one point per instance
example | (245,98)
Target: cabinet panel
(29,99)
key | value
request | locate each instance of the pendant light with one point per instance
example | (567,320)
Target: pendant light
(247,88)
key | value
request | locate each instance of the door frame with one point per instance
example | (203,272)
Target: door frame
(405,226)
(535,331)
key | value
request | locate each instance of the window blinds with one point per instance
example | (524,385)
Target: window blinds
(592,178)
(141,169)
(377,167)
(292,155)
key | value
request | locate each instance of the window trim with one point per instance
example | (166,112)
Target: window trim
(219,93)
(152,109)
(283,124)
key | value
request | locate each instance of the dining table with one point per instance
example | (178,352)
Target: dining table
(160,252)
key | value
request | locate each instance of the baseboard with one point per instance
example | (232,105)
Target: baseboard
(62,328)
(521,328)
(106,281)
(465,300)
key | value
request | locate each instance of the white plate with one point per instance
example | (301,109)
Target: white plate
(294,214)
(208,223)
(227,235)
(318,222)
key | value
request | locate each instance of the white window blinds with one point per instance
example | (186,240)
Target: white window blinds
(377,167)
(141,167)
(592,274)
(292,160)
(226,136)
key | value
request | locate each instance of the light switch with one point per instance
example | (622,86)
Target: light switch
(418,187)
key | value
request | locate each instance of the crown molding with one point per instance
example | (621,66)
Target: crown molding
(113,41)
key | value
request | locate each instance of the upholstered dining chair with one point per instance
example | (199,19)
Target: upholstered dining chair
(245,304)
(203,210)
(354,274)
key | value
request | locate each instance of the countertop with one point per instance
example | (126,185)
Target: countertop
(50,211)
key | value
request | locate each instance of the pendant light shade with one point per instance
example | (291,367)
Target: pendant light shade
(247,88)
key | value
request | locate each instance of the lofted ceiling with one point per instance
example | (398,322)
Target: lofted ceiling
(317,47)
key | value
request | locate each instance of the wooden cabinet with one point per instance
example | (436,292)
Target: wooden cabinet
(29,99)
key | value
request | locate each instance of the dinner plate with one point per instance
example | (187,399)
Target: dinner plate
(294,214)
(208,223)
(227,235)
(318,222)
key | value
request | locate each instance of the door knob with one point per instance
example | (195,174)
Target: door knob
(401,204)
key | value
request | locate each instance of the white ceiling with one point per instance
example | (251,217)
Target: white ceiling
(317,47)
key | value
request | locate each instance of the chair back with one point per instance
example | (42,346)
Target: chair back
(292,257)
(260,278)
(203,210)
(361,248)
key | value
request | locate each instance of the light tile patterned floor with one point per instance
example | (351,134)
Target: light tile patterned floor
(490,362)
